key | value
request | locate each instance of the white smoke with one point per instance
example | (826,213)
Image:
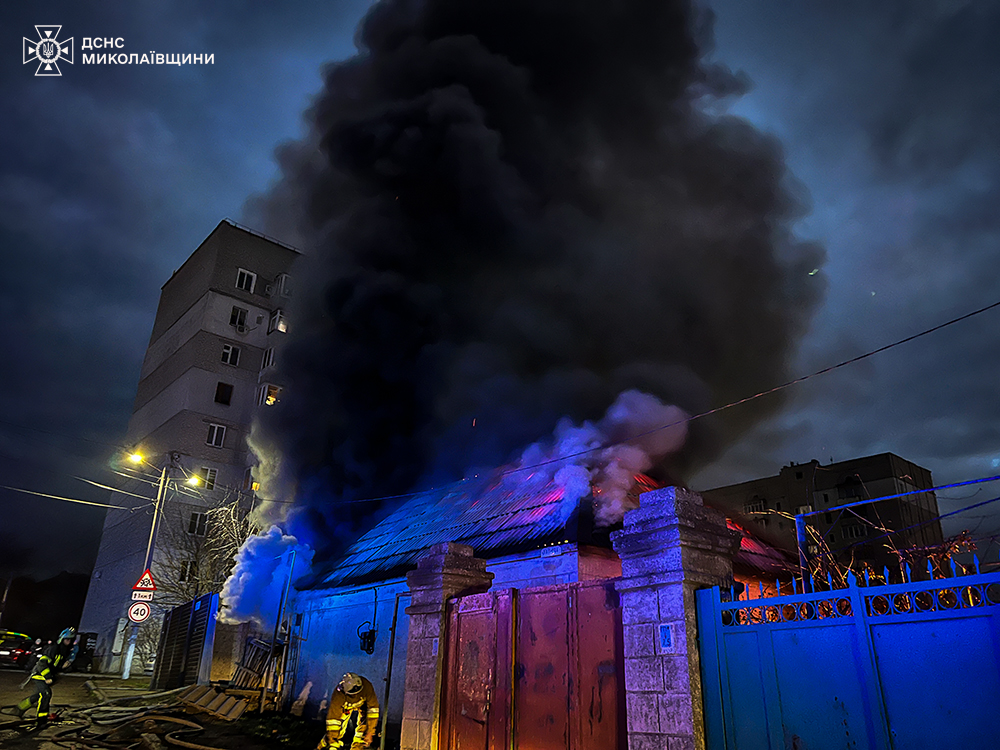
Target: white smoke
(604,457)
(253,591)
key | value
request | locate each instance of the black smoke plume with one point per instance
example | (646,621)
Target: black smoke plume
(513,211)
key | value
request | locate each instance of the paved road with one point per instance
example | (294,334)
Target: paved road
(68,689)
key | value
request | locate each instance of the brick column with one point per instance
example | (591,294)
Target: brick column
(670,546)
(447,570)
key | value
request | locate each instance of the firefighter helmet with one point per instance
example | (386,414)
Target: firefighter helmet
(351,683)
(69,633)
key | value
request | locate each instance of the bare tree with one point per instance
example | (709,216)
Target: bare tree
(198,544)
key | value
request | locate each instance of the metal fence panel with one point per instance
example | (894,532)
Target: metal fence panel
(905,666)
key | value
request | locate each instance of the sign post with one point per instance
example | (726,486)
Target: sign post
(139,611)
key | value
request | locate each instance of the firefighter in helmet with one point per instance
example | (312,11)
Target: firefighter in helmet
(354,695)
(53,659)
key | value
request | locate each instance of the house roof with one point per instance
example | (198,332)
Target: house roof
(496,514)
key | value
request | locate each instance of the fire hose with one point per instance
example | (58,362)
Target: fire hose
(118,719)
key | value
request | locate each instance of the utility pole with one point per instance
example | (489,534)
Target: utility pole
(148,563)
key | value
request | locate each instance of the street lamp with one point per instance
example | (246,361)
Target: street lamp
(150,545)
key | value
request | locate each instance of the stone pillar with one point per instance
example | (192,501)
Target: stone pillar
(447,570)
(669,547)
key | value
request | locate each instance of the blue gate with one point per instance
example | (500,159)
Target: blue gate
(909,666)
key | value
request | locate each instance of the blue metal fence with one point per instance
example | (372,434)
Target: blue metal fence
(907,666)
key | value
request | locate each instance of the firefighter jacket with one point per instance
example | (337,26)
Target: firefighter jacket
(45,664)
(343,705)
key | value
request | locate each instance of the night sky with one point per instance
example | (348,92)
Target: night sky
(112,175)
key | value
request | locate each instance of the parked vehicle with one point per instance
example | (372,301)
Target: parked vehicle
(15,649)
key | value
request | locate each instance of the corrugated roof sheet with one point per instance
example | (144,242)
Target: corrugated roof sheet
(495,515)
(491,514)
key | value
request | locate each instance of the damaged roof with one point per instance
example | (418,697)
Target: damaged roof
(495,515)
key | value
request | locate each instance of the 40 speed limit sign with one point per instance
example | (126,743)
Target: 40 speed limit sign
(138,612)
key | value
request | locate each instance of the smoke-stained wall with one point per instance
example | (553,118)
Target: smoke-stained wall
(513,211)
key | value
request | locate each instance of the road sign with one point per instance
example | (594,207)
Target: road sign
(145,582)
(138,612)
(142,596)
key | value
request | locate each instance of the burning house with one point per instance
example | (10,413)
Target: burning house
(352,616)
(515,218)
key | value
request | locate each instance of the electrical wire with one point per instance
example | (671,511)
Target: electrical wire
(113,489)
(910,528)
(65,499)
(677,423)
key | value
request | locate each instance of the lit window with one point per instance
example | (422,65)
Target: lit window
(278,322)
(283,284)
(198,524)
(224,394)
(246,280)
(755,506)
(208,477)
(268,395)
(216,435)
(230,355)
(238,317)
(268,358)
(188,571)
(803,509)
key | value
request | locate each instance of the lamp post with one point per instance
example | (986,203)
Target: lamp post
(150,547)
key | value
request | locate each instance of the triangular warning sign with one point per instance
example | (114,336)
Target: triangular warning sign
(145,582)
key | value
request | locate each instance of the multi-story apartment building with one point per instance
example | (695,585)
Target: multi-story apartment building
(771,503)
(205,372)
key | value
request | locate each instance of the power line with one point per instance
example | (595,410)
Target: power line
(911,527)
(686,420)
(65,499)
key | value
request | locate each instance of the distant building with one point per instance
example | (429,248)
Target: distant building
(205,372)
(770,504)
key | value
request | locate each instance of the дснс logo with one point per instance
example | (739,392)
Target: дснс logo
(48,50)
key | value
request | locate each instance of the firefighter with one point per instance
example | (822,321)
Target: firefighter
(354,695)
(43,673)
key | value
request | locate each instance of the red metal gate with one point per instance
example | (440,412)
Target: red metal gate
(539,669)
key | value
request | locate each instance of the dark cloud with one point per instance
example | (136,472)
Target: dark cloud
(890,113)
(111,176)
(516,212)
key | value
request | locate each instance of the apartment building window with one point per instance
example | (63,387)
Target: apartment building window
(216,435)
(855,532)
(278,322)
(224,393)
(803,509)
(828,517)
(268,359)
(756,505)
(268,395)
(247,478)
(238,317)
(230,355)
(283,284)
(246,280)
(188,571)
(208,477)
(198,524)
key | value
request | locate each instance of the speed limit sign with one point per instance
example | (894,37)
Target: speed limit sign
(138,612)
